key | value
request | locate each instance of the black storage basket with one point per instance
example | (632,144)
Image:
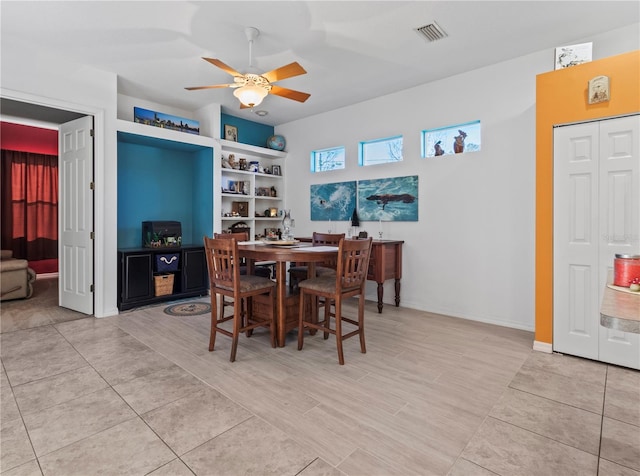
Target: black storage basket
(167,262)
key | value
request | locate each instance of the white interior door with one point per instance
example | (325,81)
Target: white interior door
(75,215)
(575,240)
(620,222)
(596,215)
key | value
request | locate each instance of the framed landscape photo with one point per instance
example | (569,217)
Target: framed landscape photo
(166,121)
(231,133)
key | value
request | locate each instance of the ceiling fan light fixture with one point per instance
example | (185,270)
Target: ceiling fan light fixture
(251,95)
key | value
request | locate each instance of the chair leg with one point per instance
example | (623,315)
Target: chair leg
(301,321)
(223,305)
(338,305)
(245,316)
(327,316)
(237,319)
(363,348)
(214,321)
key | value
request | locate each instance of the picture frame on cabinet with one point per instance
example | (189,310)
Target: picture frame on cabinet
(263,191)
(231,133)
(275,170)
(273,212)
(241,208)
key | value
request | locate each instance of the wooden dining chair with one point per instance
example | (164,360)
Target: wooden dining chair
(225,280)
(300,271)
(263,271)
(349,281)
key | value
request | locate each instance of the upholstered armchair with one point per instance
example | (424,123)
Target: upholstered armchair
(16,278)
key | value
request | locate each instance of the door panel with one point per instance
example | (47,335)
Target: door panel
(620,226)
(76,215)
(575,234)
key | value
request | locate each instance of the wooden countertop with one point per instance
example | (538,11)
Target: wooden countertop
(620,310)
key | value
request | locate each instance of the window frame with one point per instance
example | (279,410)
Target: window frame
(315,157)
(362,151)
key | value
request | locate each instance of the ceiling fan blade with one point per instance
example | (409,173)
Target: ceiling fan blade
(213,86)
(289,93)
(284,72)
(222,66)
(243,106)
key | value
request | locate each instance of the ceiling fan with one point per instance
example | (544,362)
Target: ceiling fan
(251,88)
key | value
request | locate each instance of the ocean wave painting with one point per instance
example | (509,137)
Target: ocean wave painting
(390,199)
(333,201)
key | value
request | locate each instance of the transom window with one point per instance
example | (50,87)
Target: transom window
(449,140)
(324,160)
(380,151)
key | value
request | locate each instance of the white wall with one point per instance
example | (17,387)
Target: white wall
(30,76)
(471,254)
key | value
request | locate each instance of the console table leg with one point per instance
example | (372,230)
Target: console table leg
(397,293)
(380,294)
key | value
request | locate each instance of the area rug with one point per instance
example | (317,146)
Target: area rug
(188,309)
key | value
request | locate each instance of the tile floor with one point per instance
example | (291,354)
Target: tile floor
(140,394)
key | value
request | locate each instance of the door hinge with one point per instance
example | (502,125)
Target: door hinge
(92,235)
(91,132)
(92,185)
(91,288)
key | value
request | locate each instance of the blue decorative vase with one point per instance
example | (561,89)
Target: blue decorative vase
(276,142)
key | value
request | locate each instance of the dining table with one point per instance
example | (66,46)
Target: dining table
(287,302)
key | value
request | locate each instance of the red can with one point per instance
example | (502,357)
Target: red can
(626,268)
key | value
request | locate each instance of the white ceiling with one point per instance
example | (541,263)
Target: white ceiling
(352,50)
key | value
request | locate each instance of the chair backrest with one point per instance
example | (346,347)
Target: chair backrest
(353,264)
(238,235)
(327,239)
(221,255)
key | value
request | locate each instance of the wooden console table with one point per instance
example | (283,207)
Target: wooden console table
(385,263)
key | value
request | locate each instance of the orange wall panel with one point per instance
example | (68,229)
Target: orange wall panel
(561,98)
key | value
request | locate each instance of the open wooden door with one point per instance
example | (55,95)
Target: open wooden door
(75,215)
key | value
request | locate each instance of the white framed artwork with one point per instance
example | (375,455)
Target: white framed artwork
(573,55)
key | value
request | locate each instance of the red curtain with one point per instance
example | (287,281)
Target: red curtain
(30,204)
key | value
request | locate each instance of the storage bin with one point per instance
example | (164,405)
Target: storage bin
(163,284)
(167,262)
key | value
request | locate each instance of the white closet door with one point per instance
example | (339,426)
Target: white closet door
(575,233)
(620,221)
(596,215)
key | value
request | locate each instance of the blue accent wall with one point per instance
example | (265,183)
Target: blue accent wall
(202,197)
(249,132)
(156,183)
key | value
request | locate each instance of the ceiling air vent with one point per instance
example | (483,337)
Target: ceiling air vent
(431,32)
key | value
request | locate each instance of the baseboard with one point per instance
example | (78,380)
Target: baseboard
(542,347)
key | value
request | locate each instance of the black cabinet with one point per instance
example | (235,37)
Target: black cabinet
(139,267)
(195,275)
